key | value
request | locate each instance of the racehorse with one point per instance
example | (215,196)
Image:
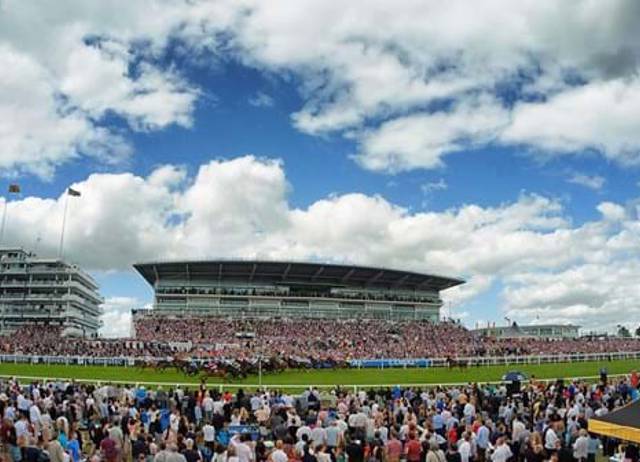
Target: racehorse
(455,362)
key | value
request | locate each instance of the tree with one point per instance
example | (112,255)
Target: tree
(624,332)
(637,332)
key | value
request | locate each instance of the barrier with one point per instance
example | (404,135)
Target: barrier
(255,386)
(130,361)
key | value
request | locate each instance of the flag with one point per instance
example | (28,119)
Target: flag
(14,188)
(73,192)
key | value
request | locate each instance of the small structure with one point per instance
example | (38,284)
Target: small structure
(621,424)
(541,331)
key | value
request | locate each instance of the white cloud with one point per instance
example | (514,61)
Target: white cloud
(421,140)
(240,208)
(612,211)
(425,85)
(431,186)
(595,296)
(595,182)
(116,316)
(261,99)
(598,116)
(88,61)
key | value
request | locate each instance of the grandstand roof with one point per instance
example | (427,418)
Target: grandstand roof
(284,272)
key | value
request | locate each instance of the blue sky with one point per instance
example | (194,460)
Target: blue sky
(507,156)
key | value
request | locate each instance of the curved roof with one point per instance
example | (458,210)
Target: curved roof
(287,273)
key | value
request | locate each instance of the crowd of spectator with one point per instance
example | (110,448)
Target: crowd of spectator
(71,422)
(317,339)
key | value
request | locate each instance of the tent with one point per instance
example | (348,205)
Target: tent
(622,423)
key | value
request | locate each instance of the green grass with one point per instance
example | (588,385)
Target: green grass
(326,377)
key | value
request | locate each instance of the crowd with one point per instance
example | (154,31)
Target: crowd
(322,340)
(71,422)
(47,340)
(360,339)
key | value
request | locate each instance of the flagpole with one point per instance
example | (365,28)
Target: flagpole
(64,221)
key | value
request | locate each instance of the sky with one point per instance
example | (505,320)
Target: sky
(498,142)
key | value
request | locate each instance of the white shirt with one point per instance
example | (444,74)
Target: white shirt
(209,433)
(279,456)
(501,454)
(550,439)
(34,414)
(207,404)
(245,454)
(465,450)
(581,448)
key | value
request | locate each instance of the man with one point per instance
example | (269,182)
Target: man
(278,455)
(581,446)
(482,440)
(464,447)
(243,451)
(355,451)
(209,435)
(393,448)
(333,436)
(318,435)
(502,452)
(551,440)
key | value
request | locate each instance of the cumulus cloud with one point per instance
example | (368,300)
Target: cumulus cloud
(261,99)
(239,208)
(116,318)
(556,77)
(89,61)
(595,182)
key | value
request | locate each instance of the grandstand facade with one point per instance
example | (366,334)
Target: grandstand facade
(47,292)
(261,289)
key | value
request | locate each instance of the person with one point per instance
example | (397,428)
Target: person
(10,440)
(435,454)
(109,449)
(464,447)
(278,455)
(393,448)
(355,450)
(55,451)
(190,453)
(482,440)
(413,448)
(534,449)
(594,444)
(581,446)
(502,451)
(452,454)
(551,439)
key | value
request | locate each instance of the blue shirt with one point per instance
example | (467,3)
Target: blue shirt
(482,438)
(438,422)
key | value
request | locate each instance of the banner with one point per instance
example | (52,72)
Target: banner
(382,363)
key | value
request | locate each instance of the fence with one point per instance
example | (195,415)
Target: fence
(127,361)
(291,387)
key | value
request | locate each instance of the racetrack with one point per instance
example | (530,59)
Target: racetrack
(346,377)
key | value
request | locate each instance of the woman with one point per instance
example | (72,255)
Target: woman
(452,454)
(435,454)
(10,440)
(534,449)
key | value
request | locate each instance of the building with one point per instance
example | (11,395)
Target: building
(543,331)
(47,291)
(291,289)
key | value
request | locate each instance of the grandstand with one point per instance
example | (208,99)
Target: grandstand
(259,289)
(46,292)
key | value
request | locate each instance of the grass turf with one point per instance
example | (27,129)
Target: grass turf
(326,377)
